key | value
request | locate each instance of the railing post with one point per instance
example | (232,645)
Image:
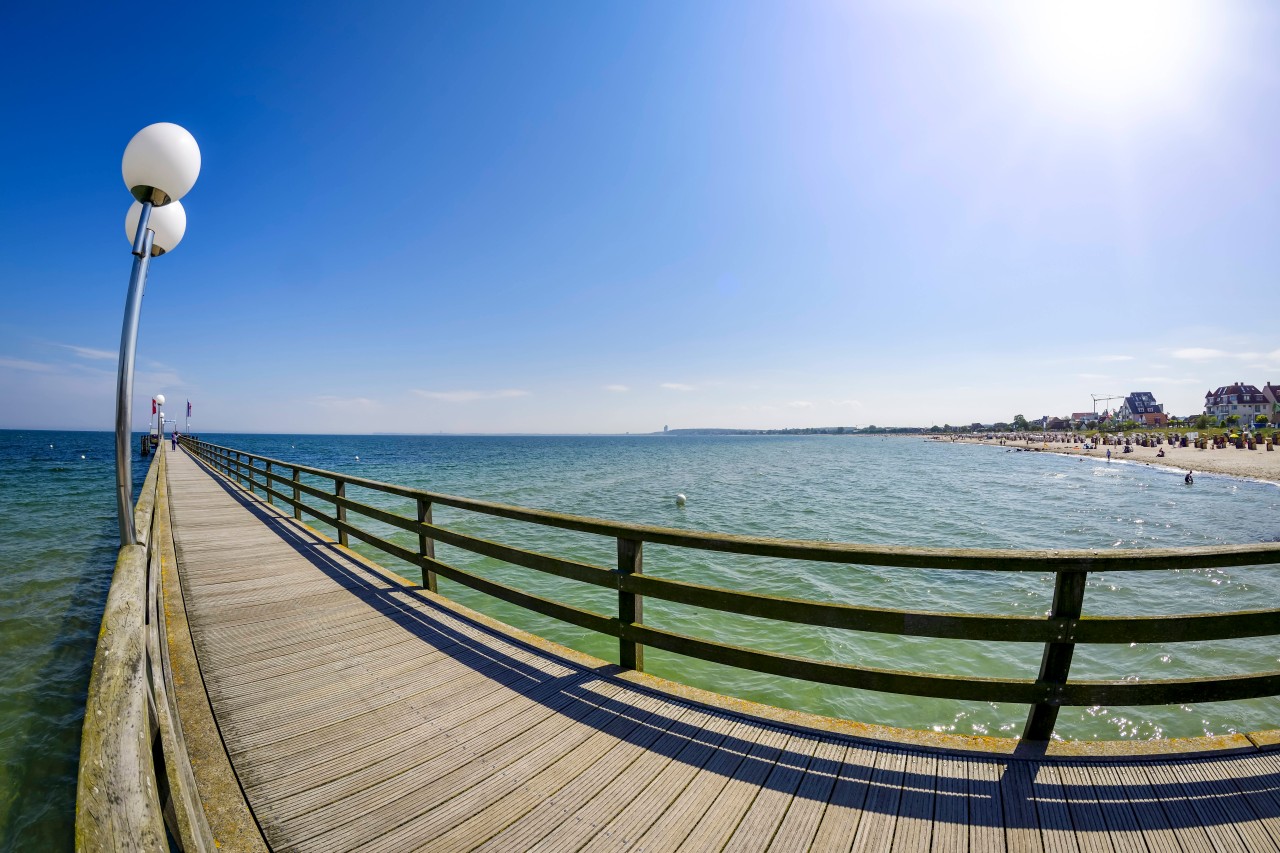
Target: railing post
(297,501)
(1055,663)
(630,605)
(270,500)
(426,545)
(248,477)
(340,491)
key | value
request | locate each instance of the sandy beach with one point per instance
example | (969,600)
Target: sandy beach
(1254,464)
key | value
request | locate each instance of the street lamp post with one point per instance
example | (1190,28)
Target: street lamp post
(159,418)
(161,163)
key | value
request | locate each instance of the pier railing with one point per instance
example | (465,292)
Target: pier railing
(1060,631)
(135,775)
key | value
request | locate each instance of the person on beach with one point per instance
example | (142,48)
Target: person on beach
(1160,455)
(1188,479)
(1108,454)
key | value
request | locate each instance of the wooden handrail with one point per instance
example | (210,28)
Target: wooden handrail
(1064,627)
(124,796)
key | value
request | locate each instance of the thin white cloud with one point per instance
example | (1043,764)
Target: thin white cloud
(91,353)
(853,403)
(1114,358)
(1166,380)
(800,404)
(471,396)
(617,389)
(23,364)
(331,401)
(1093,376)
(1200,353)
(676,386)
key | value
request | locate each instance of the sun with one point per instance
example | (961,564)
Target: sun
(1115,53)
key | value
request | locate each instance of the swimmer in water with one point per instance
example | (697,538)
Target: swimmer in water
(1188,479)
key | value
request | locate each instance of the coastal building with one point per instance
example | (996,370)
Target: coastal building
(1141,406)
(1245,401)
(1083,417)
(1271,393)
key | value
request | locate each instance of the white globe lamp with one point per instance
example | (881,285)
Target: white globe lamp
(169,224)
(161,163)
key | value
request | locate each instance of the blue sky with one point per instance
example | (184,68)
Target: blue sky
(609,217)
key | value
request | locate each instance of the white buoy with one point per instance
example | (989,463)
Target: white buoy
(81,455)
(680,499)
(357,458)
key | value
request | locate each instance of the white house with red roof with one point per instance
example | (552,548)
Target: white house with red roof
(1246,401)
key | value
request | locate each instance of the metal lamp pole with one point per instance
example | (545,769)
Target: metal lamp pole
(161,163)
(143,241)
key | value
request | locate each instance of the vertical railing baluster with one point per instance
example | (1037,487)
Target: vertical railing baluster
(630,605)
(270,500)
(340,491)
(297,501)
(249,475)
(426,545)
(1055,663)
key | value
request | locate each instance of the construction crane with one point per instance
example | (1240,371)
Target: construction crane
(1104,398)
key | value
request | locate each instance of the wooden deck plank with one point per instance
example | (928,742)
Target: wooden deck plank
(950,805)
(1091,831)
(320,784)
(1219,803)
(517,795)
(1056,829)
(914,829)
(737,758)
(1017,796)
(764,816)
(840,819)
(1257,779)
(1184,824)
(1115,807)
(643,810)
(562,793)
(599,810)
(581,755)
(880,811)
(799,827)
(986,809)
(717,824)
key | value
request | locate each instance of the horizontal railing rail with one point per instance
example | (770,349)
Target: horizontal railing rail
(1059,631)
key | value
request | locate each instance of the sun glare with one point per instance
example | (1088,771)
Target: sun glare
(1116,53)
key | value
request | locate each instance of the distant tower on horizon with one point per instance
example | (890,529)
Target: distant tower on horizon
(664,427)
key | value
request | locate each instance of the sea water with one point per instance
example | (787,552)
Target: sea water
(59,547)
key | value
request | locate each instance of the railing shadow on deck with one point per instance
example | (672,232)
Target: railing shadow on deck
(1019,792)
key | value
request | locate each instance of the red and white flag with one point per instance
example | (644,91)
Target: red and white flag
(153,405)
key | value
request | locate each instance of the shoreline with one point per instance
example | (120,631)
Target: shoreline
(1259,464)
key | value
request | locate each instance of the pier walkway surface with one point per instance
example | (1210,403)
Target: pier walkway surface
(359,712)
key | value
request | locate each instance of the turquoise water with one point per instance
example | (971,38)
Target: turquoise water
(58,542)
(59,548)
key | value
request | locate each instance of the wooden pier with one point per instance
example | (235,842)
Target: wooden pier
(311,700)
